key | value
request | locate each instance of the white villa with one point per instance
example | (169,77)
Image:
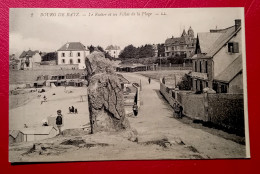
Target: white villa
(73,53)
(113,51)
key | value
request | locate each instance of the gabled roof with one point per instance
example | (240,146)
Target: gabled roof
(212,42)
(14,133)
(231,71)
(113,47)
(222,40)
(176,41)
(73,46)
(41,130)
(28,53)
(206,40)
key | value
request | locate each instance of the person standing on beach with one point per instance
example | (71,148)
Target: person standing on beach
(59,121)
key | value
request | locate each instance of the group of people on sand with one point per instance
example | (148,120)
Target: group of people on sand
(44,99)
(73,110)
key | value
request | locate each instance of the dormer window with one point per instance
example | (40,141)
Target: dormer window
(233,47)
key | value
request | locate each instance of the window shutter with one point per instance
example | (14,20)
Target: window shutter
(235,47)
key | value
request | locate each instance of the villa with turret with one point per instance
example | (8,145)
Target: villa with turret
(181,46)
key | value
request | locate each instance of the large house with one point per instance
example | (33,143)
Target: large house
(181,46)
(113,51)
(73,53)
(217,62)
(29,58)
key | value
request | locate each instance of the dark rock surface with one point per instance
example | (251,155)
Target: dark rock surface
(105,96)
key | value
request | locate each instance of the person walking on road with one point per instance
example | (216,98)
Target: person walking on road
(149,80)
(181,110)
(59,121)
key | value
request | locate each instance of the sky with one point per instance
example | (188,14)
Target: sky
(48,29)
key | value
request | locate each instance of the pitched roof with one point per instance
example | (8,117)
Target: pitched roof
(28,53)
(14,133)
(41,130)
(206,40)
(212,42)
(73,46)
(222,40)
(113,47)
(231,71)
(184,33)
(176,40)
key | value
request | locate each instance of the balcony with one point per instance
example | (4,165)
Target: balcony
(199,75)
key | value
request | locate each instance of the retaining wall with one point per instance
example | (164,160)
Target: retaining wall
(224,110)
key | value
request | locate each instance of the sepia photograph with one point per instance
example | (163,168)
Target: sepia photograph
(127,84)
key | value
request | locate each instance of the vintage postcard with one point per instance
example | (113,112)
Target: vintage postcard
(127,84)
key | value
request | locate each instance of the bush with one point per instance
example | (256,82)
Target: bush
(185,83)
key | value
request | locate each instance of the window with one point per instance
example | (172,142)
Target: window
(78,54)
(71,54)
(78,60)
(172,48)
(62,54)
(200,66)
(71,61)
(233,47)
(63,60)
(195,62)
(166,48)
(223,88)
(206,66)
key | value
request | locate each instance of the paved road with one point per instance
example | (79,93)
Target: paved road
(156,119)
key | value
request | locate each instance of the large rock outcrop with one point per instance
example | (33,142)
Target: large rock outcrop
(105,96)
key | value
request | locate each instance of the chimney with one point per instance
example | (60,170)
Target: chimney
(237,23)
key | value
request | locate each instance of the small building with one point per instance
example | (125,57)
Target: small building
(14,63)
(73,53)
(113,51)
(38,133)
(29,59)
(132,67)
(217,63)
(15,136)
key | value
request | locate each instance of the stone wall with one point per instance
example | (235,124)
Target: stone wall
(55,67)
(193,105)
(227,110)
(223,110)
(29,76)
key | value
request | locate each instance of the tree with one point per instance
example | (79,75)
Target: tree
(146,51)
(50,56)
(161,50)
(100,49)
(91,48)
(129,52)
(185,83)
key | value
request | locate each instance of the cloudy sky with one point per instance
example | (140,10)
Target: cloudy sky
(48,29)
